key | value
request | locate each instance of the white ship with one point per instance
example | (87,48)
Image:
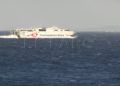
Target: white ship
(50,32)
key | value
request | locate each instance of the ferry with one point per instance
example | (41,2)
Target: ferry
(49,32)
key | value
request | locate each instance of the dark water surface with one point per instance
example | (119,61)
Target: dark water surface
(93,59)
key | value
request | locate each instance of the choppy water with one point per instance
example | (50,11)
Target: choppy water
(93,59)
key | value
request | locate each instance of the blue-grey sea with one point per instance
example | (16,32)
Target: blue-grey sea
(92,59)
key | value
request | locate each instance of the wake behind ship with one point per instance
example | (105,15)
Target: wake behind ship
(50,32)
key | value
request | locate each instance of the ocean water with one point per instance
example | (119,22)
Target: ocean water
(92,59)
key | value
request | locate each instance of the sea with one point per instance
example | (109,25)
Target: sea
(91,59)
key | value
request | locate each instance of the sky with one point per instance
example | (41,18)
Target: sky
(80,15)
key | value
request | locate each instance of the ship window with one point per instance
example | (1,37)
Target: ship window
(25,30)
(42,29)
(55,30)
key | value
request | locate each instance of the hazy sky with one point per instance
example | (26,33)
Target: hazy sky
(76,14)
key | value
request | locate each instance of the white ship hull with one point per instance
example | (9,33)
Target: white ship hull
(41,37)
(9,37)
(42,33)
(48,37)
